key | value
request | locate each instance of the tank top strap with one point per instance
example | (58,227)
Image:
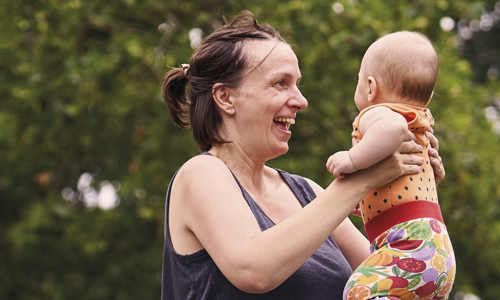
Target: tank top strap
(299,186)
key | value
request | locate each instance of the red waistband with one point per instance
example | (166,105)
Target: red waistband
(401,213)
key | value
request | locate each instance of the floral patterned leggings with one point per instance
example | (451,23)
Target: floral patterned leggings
(412,260)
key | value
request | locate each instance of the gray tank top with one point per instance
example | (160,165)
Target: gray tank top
(196,276)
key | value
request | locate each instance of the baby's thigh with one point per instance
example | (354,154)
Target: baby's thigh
(406,268)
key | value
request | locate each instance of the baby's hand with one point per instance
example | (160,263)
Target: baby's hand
(339,164)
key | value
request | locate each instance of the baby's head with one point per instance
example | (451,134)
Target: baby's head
(404,67)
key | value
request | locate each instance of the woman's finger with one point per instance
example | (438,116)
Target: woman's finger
(412,169)
(410,136)
(433,140)
(434,153)
(411,160)
(411,164)
(437,165)
(409,147)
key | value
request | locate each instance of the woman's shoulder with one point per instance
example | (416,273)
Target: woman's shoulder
(204,157)
(202,165)
(203,176)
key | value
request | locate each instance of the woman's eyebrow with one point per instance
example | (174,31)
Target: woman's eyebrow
(284,74)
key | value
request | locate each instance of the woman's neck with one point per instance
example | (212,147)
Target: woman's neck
(250,172)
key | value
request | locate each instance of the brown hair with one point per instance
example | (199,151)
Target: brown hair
(219,59)
(408,65)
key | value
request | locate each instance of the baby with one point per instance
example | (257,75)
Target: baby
(412,257)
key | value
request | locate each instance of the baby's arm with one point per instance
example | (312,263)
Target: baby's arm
(383,130)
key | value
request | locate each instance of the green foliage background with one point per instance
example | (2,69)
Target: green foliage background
(80,92)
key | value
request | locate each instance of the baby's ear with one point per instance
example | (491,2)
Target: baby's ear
(221,95)
(372,88)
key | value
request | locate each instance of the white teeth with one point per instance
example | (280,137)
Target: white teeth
(285,120)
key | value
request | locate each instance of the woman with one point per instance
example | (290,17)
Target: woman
(235,228)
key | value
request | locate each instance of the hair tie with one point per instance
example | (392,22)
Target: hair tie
(185,68)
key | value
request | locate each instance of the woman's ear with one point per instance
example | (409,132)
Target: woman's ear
(221,95)
(372,88)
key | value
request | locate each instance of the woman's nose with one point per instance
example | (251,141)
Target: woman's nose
(298,101)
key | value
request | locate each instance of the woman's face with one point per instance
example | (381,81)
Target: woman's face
(267,100)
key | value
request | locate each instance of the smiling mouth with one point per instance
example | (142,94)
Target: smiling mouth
(285,122)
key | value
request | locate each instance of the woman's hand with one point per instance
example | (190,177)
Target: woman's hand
(436,160)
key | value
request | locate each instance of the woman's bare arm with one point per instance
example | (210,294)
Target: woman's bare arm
(255,261)
(352,243)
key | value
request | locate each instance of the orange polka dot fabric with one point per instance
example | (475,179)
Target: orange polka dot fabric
(419,187)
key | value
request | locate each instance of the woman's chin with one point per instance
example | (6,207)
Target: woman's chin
(281,149)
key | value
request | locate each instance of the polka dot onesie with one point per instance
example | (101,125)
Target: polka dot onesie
(419,187)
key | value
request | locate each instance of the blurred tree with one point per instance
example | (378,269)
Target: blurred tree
(81,116)
(481,42)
